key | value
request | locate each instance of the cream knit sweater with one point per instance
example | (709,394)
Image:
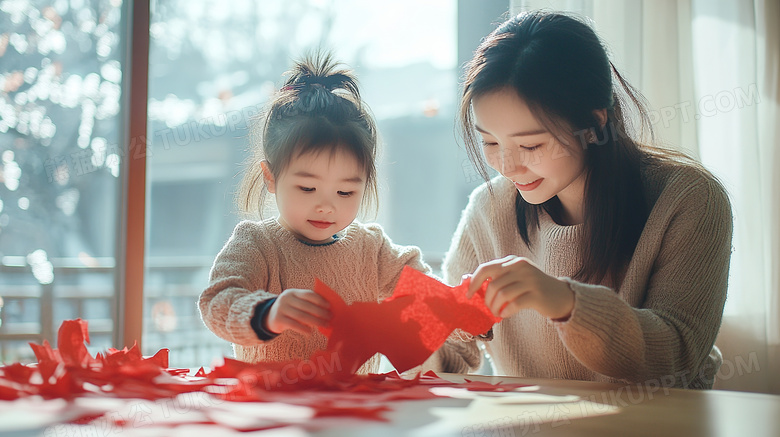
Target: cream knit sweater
(658,328)
(262,259)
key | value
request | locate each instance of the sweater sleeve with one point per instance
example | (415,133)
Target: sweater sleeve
(461,258)
(391,260)
(460,354)
(672,334)
(236,280)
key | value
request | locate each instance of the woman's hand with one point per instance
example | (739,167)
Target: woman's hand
(299,310)
(517,283)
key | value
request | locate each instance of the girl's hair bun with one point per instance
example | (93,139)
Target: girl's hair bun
(320,70)
(329,82)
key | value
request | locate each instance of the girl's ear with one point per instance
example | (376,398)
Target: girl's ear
(268,176)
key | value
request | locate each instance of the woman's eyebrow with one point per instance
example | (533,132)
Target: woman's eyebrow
(516,134)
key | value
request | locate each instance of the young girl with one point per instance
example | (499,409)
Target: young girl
(317,145)
(608,259)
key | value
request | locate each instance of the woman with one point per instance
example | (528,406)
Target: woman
(608,259)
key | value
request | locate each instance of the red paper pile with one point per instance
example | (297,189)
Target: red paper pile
(71,371)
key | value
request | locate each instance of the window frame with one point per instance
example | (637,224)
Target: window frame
(131,245)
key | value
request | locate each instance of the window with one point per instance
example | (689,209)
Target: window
(60,94)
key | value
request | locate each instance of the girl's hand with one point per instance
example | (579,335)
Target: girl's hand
(298,310)
(516,283)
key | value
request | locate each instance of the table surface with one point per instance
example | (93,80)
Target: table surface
(547,408)
(604,409)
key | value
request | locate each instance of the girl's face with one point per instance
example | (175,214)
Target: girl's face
(520,148)
(319,194)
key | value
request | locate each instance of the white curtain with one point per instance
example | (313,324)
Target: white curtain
(711,72)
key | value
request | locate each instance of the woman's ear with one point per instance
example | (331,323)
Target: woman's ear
(601,116)
(268,176)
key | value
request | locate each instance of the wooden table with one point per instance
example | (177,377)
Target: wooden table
(549,408)
(605,410)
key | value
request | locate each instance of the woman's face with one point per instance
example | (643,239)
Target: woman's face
(518,146)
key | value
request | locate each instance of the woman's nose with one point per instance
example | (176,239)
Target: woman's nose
(511,162)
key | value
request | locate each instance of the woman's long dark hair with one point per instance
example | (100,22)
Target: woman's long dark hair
(559,67)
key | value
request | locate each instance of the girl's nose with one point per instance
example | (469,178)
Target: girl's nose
(325,206)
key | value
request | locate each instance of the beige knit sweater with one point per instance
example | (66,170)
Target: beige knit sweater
(262,259)
(658,328)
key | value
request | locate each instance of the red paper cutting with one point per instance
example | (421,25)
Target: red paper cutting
(360,330)
(407,327)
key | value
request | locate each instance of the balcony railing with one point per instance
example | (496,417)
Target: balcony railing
(32,312)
